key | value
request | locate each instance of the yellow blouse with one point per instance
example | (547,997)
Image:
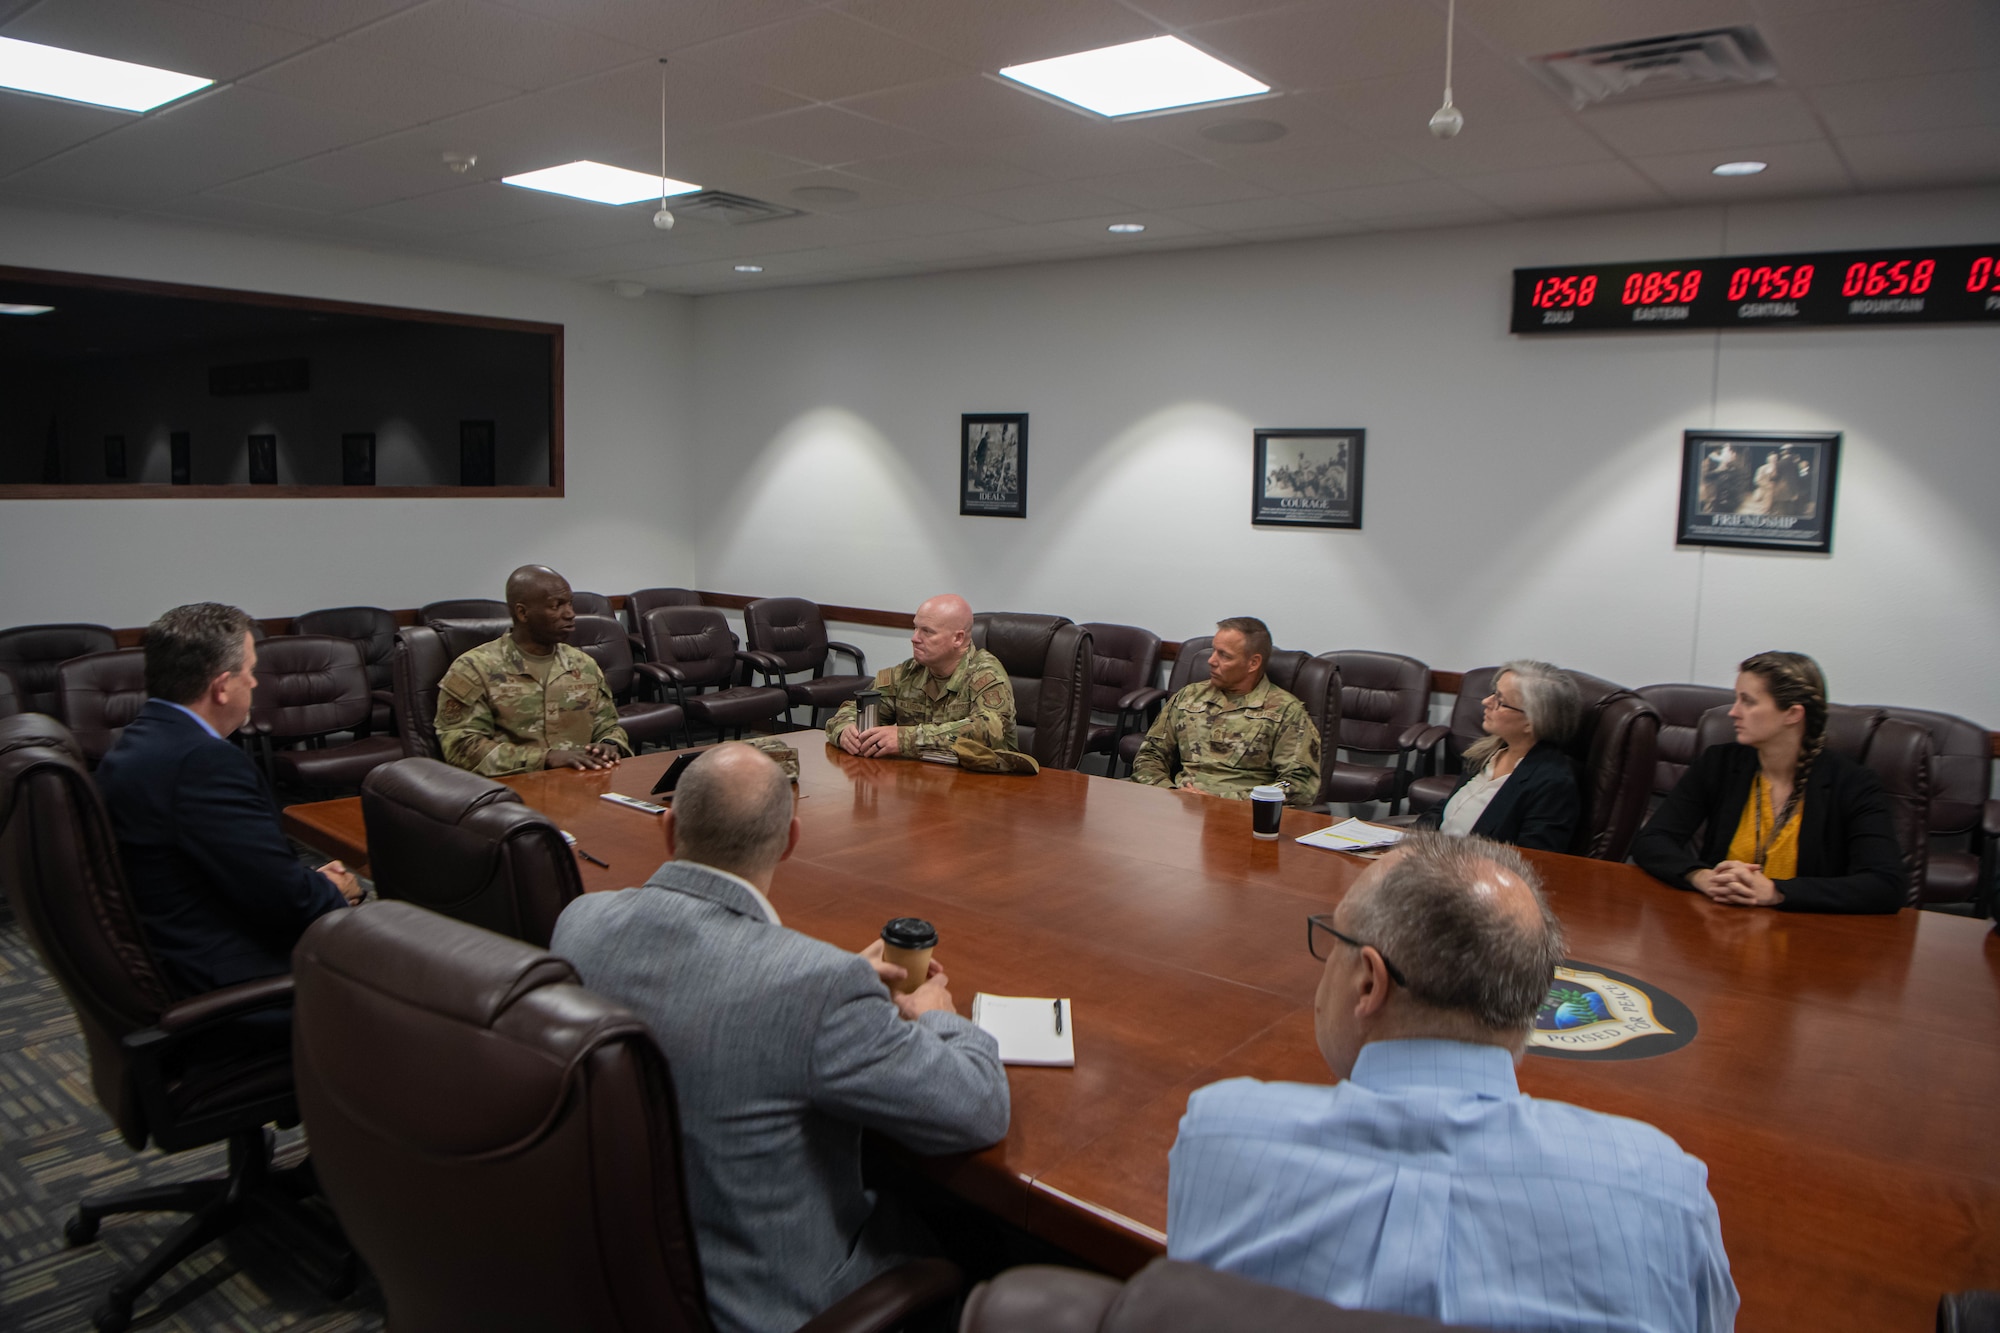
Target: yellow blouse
(1781,858)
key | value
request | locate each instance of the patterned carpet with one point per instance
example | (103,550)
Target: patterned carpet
(56,1146)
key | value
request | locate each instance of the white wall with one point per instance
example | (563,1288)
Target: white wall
(622,524)
(1520,492)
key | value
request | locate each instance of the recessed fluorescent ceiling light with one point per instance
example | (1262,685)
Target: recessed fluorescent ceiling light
(1739,168)
(75,77)
(598,183)
(1126,228)
(749,268)
(9,309)
(1137,77)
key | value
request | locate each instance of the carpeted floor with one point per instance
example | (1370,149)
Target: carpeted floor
(56,1146)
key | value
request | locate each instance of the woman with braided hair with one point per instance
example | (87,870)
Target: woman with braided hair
(1782,821)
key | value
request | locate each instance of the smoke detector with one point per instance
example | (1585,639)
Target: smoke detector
(1687,62)
(460,163)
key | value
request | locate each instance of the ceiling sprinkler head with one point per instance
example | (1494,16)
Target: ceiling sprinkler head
(664,219)
(460,163)
(1447,121)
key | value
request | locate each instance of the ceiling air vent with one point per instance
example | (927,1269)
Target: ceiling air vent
(1689,62)
(722,206)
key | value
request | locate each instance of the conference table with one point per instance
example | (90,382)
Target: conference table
(1842,1084)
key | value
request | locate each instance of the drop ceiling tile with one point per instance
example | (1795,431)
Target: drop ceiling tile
(1315,45)
(660,27)
(1968,155)
(823,136)
(966,108)
(1049,202)
(397,167)
(868,193)
(1585,187)
(289,126)
(821,55)
(526,133)
(1335,167)
(1180,186)
(233,212)
(1911,105)
(1159,227)
(1489,91)
(149,32)
(1548,26)
(723,165)
(345,77)
(923,218)
(1245,215)
(1728,119)
(1796,169)
(475,207)
(698,98)
(1485,149)
(575,231)
(1184,13)
(1886,41)
(1409,200)
(1306,232)
(489,41)
(1029,242)
(282,191)
(322,18)
(990,36)
(943,170)
(1097,149)
(920,249)
(39,126)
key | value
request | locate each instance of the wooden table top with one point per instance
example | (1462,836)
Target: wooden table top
(1842,1088)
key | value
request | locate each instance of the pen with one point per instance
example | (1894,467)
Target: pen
(593,860)
(1058,1018)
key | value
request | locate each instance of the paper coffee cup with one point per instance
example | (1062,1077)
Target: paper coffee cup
(1267,809)
(907,942)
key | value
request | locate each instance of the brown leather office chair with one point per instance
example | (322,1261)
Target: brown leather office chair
(466,846)
(690,649)
(1315,682)
(1048,662)
(1961,794)
(1680,708)
(10,702)
(1124,659)
(637,604)
(98,695)
(31,654)
(1167,1296)
(160,1067)
(787,635)
(1615,749)
(466,622)
(1385,701)
(646,721)
(592,604)
(309,714)
(1190,665)
(503,1145)
(417,665)
(374,633)
(1467,725)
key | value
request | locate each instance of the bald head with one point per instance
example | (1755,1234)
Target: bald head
(941,633)
(532,582)
(733,811)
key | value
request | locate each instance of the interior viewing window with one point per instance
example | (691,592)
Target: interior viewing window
(111,387)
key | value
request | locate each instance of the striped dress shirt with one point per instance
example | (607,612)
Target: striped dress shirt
(1427,1183)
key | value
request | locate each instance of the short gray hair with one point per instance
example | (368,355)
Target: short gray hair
(1550,699)
(732,817)
(190,646)
(1457,951)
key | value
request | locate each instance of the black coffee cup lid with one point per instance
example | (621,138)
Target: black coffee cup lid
(910,932)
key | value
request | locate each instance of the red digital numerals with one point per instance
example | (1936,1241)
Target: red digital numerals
(1985,275)
(1673,287)
(1561,293)
(1885,277)
(1784,282)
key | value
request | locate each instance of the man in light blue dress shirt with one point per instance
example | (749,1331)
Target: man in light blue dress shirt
(1425,1182)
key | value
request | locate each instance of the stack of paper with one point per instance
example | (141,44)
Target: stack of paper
(1030,1031)
(1352,835)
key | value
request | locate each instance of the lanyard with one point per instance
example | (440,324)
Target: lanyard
(1758,801)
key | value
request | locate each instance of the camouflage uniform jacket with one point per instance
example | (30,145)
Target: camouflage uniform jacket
(976,700)
(493,717)
(1227,744)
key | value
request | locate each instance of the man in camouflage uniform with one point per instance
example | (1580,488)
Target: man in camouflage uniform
(1235,730)
(528,700)
(946,690)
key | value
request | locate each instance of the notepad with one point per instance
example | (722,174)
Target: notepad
(1026,1029)
(1353,835)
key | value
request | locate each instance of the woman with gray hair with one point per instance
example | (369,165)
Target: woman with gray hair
(1519,786)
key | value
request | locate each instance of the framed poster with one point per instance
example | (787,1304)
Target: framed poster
(1307,478)
(1766,490)
(993,464)
(263,460)
(357,459)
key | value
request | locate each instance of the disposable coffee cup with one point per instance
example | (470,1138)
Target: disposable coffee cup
(868,711)
(1267,808)
(907,942)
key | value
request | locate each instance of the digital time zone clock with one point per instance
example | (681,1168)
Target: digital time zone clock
(1941,284)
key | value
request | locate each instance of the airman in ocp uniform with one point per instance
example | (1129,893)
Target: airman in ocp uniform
(1236,730)
(947,690)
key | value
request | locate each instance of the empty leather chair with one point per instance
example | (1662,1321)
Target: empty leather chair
(31,654)
(374,633)
(466,846)
(690,649)
(503,1145)
(98,695)
(155,1066)
(1314,682)
(467,622)
(464,608)
(1166,1296)
(1124,659)
(1680,708)
(787,636)
(646,721)
(1385,702)
(592,604)
(10,702)
(637,604)
(1466,726)
(1047,659)
(1615,748)
(1190,665)
(417,665)
(310,713)
(1961,788)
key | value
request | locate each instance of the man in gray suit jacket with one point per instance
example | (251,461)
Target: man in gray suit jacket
(783,1049)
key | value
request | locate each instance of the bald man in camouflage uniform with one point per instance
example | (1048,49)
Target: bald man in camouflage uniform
(947,690)
(528,700)
(1235,730)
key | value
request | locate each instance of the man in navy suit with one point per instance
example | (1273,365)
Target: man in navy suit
(222,897)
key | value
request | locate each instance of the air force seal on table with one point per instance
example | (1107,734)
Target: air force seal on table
(1595,1014)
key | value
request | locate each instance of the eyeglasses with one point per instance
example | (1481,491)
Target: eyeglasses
(1495,699)
(1316,924)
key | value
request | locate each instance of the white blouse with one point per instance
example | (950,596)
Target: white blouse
(1469,802)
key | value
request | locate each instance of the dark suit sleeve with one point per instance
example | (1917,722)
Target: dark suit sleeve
(228,829)
(1548,813)
(1865,835)
(1434,816)
(1665,848)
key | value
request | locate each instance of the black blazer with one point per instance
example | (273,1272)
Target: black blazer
(1849,858)
(222,896)
(1536,807)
